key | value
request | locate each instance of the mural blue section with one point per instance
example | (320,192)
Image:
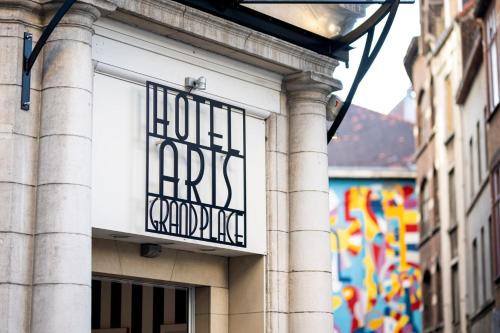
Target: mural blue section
(375,263)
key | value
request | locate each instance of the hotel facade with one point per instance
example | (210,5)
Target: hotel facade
(170,175)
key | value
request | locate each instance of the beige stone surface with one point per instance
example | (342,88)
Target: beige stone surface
(202,300)
(310,322)
(18,167)
(15,259)
(18,156)
(247,322)
(59,59)
(219,301)
(278,246)
(310,265)
(277,259)
(305,217)
(202,323)
(12,119)
(314,242)
(308,171)
(277,177)
(17,208)
(308,141)
(64,159)
(123,258)
(312,296)
(14,308)
(62,258)
(277,292)
(63,208)
(59,308)
(66,111)
(246,284)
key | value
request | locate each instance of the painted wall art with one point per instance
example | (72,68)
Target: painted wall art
(375,263)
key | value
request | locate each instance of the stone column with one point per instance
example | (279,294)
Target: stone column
(310,277)
(62,257)
(18,165)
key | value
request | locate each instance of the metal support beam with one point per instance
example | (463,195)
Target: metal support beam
(366,61)
(30,55)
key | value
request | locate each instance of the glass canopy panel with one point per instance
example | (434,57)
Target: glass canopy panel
(327,20)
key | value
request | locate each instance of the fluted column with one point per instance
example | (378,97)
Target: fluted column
(62,258)
(310,259)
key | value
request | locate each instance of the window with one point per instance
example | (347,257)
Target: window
(475,272)
(491,36)
(420,118)
(427,298)
(431,105)
(424,208)
(471,167)
(449,105)
(496,218)
(435,196)
(455,289)
(452,197)
(454,241)
(423,117)
(483,265)
(439,296)
(436,20)
(478,140)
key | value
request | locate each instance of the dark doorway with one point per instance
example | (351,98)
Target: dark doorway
(132,307)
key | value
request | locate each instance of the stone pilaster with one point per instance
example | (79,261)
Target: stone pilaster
(18,163)
(61,300)
(310,260)
(277,221)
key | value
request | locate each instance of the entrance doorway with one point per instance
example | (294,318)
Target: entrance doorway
(131,307)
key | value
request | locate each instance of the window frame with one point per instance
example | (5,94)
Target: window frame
(495,215)
(435,198)
(425,213)
(491,54)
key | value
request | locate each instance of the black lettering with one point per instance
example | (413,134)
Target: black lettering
(191,184)
(163,177)
(180,136)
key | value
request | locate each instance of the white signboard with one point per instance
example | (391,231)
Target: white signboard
(196,167)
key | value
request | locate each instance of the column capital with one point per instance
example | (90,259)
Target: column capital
(83,13)
(311,86)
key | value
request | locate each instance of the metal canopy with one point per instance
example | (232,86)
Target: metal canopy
(333,40)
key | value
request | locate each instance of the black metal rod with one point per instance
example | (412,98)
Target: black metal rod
(366,62)
(47,32)
(363,28)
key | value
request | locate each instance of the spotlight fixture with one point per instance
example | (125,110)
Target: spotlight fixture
(191,83)
(150,250)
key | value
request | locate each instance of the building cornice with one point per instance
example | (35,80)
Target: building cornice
(183,23)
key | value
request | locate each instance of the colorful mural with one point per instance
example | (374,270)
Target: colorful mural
(374,238)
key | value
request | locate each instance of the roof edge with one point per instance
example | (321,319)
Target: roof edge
(370,173)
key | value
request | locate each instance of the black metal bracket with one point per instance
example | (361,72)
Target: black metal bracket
(30,55)
(389,9)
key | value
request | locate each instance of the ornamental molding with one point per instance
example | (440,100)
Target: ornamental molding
(230,39)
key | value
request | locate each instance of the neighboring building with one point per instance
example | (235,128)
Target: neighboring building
(405,109)
(488,12)
(374,225)
(130,202)
(449,76)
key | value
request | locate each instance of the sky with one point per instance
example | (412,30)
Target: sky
(386,82)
